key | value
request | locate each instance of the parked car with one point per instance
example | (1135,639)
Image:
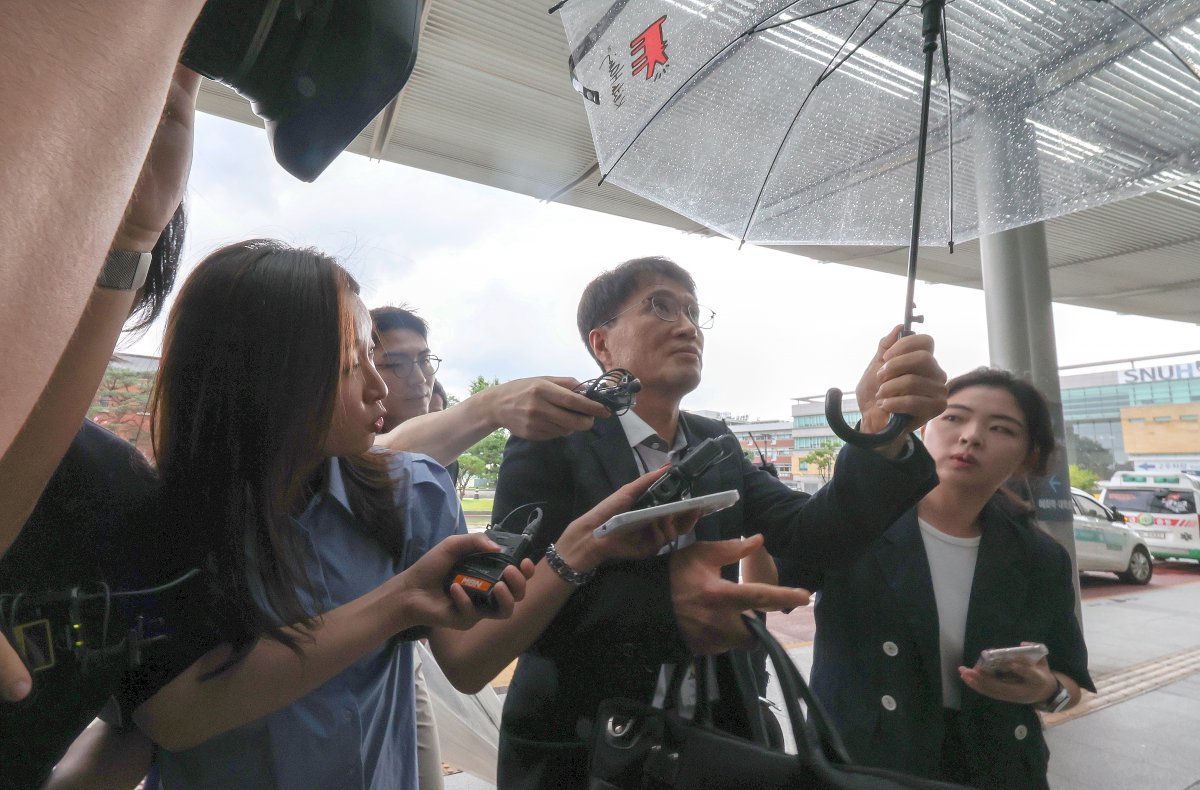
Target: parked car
(1103,542)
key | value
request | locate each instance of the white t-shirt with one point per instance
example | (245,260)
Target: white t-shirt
(952,568)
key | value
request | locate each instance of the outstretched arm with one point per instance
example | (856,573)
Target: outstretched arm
(534,408)
(472,658)
(190,710)
(29,463)
(103,758)
(90,80)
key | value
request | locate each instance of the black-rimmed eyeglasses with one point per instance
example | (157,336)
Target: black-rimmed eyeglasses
(401,365)
(669,309)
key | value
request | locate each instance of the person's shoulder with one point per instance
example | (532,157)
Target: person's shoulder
(410,470)
(100,460)
(95,442)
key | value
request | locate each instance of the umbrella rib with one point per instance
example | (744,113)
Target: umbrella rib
(828,72)
(741,38)
(1187,66)
(762,28)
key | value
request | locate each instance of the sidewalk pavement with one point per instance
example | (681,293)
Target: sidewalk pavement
(1142,730)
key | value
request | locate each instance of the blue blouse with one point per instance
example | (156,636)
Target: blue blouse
(358,729)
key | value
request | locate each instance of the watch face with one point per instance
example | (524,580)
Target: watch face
(1059,700)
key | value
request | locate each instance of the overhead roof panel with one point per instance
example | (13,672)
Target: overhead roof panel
(490,101)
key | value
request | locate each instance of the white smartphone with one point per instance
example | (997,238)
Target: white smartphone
(709,503)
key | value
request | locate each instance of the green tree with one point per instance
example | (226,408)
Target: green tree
(822,458)
(469,466)
(1083,479)
(480,384)
(482,459)
(1089,454)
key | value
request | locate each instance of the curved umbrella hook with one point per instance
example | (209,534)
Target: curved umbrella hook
(931,27)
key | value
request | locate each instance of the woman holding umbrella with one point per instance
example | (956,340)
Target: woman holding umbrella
(964,571)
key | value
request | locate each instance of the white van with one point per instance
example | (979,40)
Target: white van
(1162,507)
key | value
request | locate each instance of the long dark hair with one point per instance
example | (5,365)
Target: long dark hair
(255,346)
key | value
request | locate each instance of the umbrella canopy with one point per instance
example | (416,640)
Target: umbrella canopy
(797,122)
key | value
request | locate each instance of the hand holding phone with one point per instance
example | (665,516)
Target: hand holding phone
(710,503)
(999,662)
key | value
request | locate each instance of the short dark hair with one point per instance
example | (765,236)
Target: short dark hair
(390,317)
(1031,403)
(603,296)
(160,277)
(439,391)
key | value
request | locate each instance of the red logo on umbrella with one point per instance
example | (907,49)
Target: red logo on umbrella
(649,49)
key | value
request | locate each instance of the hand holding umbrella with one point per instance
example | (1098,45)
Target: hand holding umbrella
(904,385)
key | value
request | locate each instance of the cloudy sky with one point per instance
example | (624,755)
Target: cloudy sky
(498,276)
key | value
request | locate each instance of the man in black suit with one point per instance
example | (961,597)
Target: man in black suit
(611,637)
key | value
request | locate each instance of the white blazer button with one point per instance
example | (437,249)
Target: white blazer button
(888,702)
(891,649)
(1021,732)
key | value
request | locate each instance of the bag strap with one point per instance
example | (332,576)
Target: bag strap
(813,734)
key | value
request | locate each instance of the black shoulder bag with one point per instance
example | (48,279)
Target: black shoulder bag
(636,746)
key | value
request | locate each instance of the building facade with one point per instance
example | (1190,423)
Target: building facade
(813,443)
(1142,417)
(771,438)
(1146,416)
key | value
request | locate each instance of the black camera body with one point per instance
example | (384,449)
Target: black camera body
(480,573)
(678,480)
(316,71)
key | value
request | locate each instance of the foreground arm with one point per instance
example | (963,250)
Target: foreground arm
(90,79)
(680,596)
(536,408)
(472,658)
(30,461)
(870,489)
(103,758)
(188,710)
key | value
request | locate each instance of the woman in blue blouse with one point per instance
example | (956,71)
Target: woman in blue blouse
(318,550)
(899,632)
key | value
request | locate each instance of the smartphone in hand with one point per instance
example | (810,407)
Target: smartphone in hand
(998,662)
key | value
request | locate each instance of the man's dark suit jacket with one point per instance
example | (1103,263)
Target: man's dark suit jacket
(877,637)
(613,634)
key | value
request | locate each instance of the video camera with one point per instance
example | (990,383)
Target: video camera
(316,71)
(80,624)
(678,480)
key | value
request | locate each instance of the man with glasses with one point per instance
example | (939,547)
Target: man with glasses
(629,618)
(533,408)
(404,360)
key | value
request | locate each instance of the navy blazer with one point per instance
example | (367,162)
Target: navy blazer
(612,635)
(877,661)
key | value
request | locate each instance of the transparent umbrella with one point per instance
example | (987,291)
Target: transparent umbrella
(887,122)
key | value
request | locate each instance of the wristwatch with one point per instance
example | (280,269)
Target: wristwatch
(124,270)
(1058,701)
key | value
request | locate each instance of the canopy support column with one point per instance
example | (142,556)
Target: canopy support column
(1017,296)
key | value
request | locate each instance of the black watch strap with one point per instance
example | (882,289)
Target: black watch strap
(124,270)
(1057,701)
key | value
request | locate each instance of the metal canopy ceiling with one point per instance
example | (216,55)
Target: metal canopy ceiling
(490,101)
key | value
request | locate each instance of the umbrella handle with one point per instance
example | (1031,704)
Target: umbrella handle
(833,415)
